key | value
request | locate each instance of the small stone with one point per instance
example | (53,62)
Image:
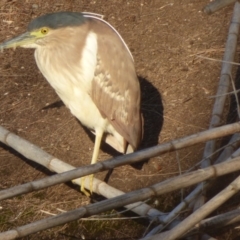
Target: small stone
(35,6)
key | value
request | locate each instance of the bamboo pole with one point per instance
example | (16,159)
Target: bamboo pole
(223,88)
(212,223)
(216,5)
(216,222)
(36,154)
(167,186)
(231,150)
(201,213)
(105,190)
(226,155)
(224,82)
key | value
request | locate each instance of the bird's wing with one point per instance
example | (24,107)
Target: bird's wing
(115,87)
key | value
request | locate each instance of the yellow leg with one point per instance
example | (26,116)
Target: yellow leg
(97,144)
(83,190)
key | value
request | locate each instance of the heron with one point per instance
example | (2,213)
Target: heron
(92,70)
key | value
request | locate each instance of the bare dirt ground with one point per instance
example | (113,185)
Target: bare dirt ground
(165,37)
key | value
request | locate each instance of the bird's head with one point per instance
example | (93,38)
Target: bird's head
(44,26)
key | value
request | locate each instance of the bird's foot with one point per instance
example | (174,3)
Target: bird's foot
(83,190)
(91,183)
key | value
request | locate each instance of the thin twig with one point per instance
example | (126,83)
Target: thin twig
(218,60)
(229,93)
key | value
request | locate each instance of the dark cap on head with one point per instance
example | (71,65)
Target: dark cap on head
(57,20)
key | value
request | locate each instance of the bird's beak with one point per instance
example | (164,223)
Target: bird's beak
(23,40)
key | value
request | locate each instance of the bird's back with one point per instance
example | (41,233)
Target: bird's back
(115,88)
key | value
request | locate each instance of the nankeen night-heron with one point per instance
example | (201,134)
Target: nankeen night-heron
(91,69)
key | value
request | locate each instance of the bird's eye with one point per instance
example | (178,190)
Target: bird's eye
(44,31)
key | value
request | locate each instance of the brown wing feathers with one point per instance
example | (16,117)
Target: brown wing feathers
(115,88)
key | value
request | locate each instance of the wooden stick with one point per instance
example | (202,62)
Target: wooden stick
(36,154)
(169,185)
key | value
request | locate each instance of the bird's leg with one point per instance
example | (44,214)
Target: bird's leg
(97,144)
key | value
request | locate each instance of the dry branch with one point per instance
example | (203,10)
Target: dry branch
(169,185)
